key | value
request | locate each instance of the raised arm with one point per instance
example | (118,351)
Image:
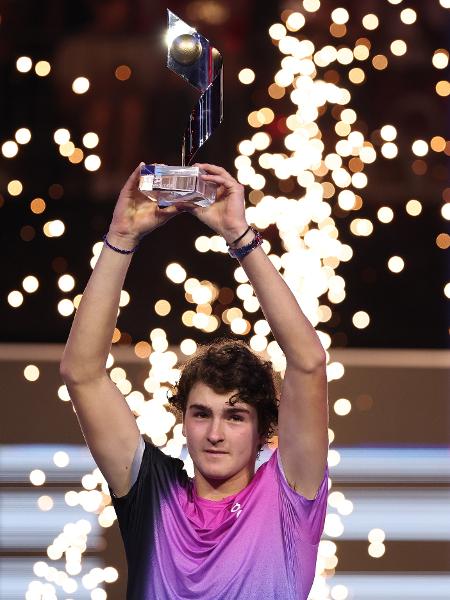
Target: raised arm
(303,411)
(108,425)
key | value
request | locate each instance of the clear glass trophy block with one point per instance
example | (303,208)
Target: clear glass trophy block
(170,185)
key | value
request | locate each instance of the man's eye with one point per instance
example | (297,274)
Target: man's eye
(235,417)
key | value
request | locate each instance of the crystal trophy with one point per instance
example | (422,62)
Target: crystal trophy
(191,56)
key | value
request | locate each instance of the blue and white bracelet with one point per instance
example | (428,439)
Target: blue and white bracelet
(240,253)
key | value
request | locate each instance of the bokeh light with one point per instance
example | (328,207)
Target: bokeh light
(306,162)
(396,264)
(23,135)
(15,298)
(9,149)
(30,284)
(24,64)
(42,68)
(31,373)
(80,85)
(246,76)
(361,319)
(66,283)
(92,162)
(413,208)
(90,140)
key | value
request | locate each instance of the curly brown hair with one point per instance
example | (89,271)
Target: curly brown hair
(225,365)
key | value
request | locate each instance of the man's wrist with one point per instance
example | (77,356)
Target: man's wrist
(123,241)
(230,235)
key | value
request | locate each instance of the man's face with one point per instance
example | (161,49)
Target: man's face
(210,423)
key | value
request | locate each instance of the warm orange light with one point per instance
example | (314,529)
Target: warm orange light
(443,241)
(142,349)
(443,88)
(37,206)
(276,91)
(379,62)
(438,143)
(123,72)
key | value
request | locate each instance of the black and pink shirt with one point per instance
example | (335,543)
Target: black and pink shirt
(260,543)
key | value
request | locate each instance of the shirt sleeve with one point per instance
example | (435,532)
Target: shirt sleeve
(135,465)
(156,474)
(309,514)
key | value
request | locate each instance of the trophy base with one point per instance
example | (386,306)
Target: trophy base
(169,185)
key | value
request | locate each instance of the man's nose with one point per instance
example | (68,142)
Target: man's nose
(215,432)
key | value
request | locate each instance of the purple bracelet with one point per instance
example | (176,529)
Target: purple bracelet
(105,239)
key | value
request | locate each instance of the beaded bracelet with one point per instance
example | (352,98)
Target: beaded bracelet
(240,253)
(105,239)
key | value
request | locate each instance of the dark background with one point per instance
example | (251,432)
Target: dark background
(394,404)
(407,310)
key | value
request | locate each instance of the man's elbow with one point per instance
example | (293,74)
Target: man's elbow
(68,373)
(313,363)
(75,374)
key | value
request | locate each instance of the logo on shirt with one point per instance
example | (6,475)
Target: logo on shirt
(236,508)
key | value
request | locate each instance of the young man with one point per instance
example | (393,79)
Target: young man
(229,533)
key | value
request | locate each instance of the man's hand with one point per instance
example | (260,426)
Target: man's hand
(135,215)
(226,216)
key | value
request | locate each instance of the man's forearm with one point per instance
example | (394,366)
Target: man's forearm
(291,329)
(91,334)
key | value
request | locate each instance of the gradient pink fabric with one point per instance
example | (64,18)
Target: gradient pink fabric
(260,543)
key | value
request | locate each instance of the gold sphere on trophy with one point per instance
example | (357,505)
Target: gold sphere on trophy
(186,49)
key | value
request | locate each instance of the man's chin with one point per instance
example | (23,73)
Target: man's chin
(219,472)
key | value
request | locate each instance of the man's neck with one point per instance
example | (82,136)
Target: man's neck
(210,489)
